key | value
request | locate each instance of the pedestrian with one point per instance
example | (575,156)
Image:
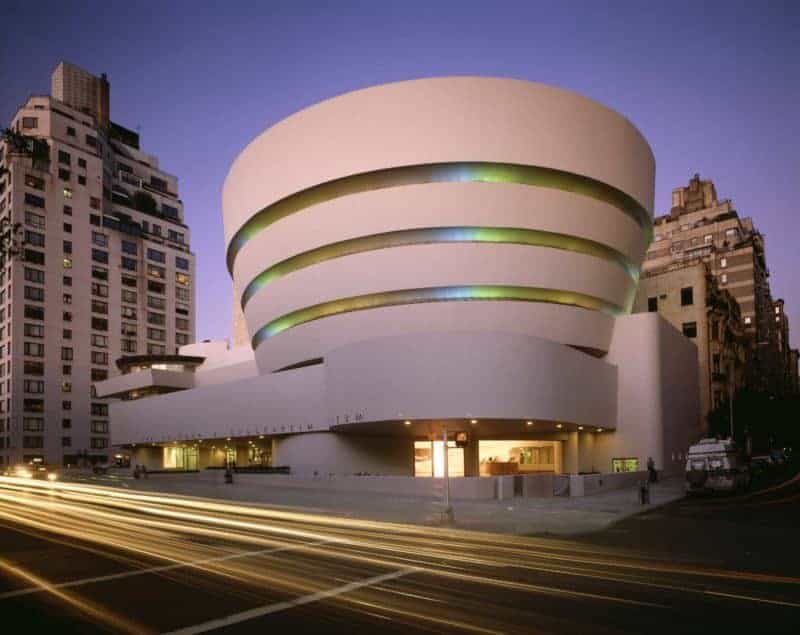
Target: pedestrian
(651,470)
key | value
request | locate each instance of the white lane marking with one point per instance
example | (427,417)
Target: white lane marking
(160,569)
(236,618)
(751,598)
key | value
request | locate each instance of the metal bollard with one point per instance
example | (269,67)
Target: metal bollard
(644,493)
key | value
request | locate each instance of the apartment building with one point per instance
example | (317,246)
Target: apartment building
(96,265)
(688,296)
(701,227)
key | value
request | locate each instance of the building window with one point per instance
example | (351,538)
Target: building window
(99,289)
(34,330)
(94,219)
(66,424)
(34,239)
(33,200)
(155,349)
(156,318)
(99,357)
(34,181)
(67,210)
(715,363)
(67,246)
(32,442)
(66,354)
(99,307)
(100,409)
(99,374)
(689,329)
(156,334)
(33,349)
(687,296)
(67,192)
(66,442)
(98,255)
(34,293)
(156,303)
(33,405)
(128,263)
(82,163)
(723,262)
(30,123)
(182,324)
(98,443)
(35,220)
(624,465)
(99,239)
(101,341)
(64,157)
(67,228)
(128,346)
(63,174)
(181,263)
(70,131)
(724,278)
(66,386)
(34,275)
(156,271)
(748,320)
(33,368)
(182,278)
(156,255)
(34,386)
(156,287)
(67,298)
(100,427)
(99,273)
(94,202)
(129,248)
(66,334)
(66,369)
(33,424)
(33,257)
(128,312)
(66,316)
(67,262)
(66,405)
(99,324)
(714,330)
(129,296)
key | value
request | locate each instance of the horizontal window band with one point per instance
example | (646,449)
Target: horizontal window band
(432,294)
(452,172)
(431,235)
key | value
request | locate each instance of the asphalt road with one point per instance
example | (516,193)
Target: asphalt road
(79,558)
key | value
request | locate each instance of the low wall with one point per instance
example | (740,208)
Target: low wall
(461,488)
(588,484)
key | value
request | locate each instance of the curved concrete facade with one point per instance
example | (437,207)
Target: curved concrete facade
(471,204)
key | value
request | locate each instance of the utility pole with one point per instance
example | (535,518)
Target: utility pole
(448,509)
(730,397)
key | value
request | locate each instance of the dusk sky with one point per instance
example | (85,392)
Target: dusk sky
(714,87)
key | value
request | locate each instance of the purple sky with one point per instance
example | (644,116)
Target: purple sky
(714,87)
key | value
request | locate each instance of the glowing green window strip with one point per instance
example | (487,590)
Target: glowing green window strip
(439,173)
(511,235)
(431,294)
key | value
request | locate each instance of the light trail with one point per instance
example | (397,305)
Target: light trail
(298,554)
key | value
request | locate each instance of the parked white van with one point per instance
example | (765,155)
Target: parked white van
(716,465)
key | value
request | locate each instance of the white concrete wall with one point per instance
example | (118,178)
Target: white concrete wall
(464,375)
(292,401)
(342,454)
(658,401)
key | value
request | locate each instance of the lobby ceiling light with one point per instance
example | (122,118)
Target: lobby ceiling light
(599,429)
(473,421)
(408,423)
(559,426)
(580,427)
(530,423)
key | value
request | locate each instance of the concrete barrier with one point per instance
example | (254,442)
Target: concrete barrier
(588,484)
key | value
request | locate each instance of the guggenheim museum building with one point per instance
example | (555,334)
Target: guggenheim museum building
(456,253)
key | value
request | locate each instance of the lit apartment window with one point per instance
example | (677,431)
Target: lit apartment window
(67,192)
(182,278)
(708,238)
(66,386)
(689,329)
(748,320)
(723,262)
(777,310)
(687,296)
(67,262)
(724,278)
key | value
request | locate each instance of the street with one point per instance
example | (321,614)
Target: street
(83,558)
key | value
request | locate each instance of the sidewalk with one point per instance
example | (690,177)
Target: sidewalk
(558,516)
